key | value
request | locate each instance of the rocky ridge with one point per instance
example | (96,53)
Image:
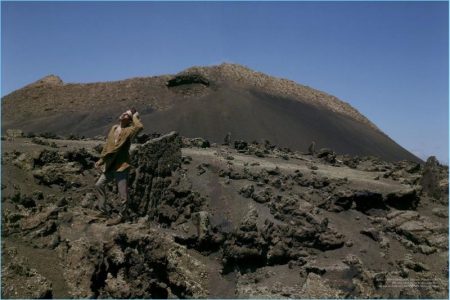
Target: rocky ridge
(279,86)
(202,101)
(51,90)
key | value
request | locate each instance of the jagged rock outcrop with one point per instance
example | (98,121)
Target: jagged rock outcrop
(431,180)
(418,229)
(155,161)
(131,263)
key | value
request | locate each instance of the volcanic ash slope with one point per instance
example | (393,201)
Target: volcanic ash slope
(203,101)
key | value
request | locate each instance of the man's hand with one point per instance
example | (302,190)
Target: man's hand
(133,112)
(98,164)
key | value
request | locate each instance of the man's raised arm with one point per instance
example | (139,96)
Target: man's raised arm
(136,125)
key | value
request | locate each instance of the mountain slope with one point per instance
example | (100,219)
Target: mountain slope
(207,102)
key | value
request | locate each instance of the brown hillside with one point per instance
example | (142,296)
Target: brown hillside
(203,101)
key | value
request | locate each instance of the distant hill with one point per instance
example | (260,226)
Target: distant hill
(206,102)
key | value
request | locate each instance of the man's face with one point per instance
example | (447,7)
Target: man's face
(125,119)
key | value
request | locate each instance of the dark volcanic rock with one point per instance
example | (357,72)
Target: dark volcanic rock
(49,135)
(247,191)
(262,196)
(20,160)
(329,240)
(327,155)
(418,229)
(366,200)
(431,178)
(47,157)
(25,200)
(154,161)
(131,263)
(124,261)
(81,156)
(196,142)
(187,79)
(340,201)
(62,174)
(240,145)
(351,162)
(246,248)
(406,199)
(363,201)
(153,192)
(309,230)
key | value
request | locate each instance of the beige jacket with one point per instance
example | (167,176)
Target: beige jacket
(116,156)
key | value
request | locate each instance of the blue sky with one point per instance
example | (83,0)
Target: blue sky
(387,59)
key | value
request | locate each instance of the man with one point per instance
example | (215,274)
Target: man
(114,160)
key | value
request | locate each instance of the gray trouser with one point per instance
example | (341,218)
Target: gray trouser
(122,185)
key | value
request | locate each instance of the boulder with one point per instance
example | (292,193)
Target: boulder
(247,191)
(81,156)
(196,142)
(25,200)
(406,199)
(431,178)
(246,248)
(131,262)
(24,162)
(327,155)
(418,229)
(262,196)
(441,212)
(373,233)
(241,145)
(155,161)
(329,240)
(47,157)
(39,219)
(366,200)
(62,174)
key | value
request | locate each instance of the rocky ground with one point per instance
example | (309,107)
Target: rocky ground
(221,221)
